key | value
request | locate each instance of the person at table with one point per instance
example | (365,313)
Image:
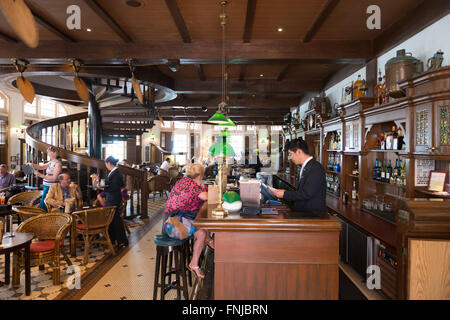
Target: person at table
(165,165)
(63,194)
(184,202)
(52,170)
(310,190)
(7,180)
(113,195)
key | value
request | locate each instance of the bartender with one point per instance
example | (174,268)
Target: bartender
(310,190)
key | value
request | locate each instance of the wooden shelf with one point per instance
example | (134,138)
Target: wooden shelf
(332,150)
(329,171)
(401,152)
(433,194)
(353,176)
(385,184)
(360,283)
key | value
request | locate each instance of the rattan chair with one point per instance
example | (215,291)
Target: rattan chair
(95,222)
(49,229)
(158,184)
(27,198)
(25,212)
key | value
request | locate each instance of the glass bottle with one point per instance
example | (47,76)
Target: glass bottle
(338,164)
(399,181)
(383,172)
(378,90)
(394,173)
(388,172)
(375,170)
(355,171)
(354,191)
(357,93)
(403,173)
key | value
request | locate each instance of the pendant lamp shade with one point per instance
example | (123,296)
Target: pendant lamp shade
(230,123)
(218,118)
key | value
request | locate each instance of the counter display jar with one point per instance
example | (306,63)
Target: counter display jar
(403,66)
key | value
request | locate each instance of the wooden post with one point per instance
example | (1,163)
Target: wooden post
(371,76)
(95,126)
(144,195)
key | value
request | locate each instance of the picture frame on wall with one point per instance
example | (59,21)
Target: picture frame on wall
(437,181)
(347,93)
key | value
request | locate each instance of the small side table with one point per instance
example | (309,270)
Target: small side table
(12,244)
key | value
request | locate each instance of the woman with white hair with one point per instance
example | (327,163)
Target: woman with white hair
(184,202)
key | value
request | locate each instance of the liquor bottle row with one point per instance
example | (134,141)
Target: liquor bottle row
(333,184)
(334,163)
(335,141)
(384,172)
(393,140)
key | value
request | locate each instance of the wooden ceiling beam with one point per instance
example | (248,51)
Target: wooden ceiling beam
(320,20)
(266,51)
(249,20)
(259,86)
(245,101)
(283,72)
(414,21)
(8,38)
(108,19)
(49,26)
(242,72)
(179,21)
(200,72)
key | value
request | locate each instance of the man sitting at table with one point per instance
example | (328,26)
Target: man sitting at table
(7,180)
(63,194)
(309,195)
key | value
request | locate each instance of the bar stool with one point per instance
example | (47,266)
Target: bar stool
(172,249)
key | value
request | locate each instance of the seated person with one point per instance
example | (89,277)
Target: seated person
(7,180)
(101,197)
(165,165)
(63,194)
(185,201)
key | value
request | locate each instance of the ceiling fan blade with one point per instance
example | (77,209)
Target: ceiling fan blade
(161,119)
(116,100)
(137,89)
(99,92)
(82,89)
(21,20)
(26,89)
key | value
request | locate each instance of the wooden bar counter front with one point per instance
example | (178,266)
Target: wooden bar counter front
(284,256)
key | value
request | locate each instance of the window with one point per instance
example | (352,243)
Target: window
(31,108)
(180,145)
(276,128)
(238,144)
(2,132)
(48,108)
(196,126)
(167,124)
(62,111)
(179,125)
(251,128)
(2,103)
(115,149)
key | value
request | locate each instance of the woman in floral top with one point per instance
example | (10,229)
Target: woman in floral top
(185,201)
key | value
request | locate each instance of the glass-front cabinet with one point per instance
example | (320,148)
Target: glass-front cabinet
(423,129)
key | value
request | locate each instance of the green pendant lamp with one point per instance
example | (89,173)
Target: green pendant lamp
(230,123)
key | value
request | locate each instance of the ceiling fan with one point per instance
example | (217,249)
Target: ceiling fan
(24,85)
(21,20)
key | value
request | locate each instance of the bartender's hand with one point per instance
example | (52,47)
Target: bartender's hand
(279,193)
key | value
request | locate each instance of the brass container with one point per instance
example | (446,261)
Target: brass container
(401,67)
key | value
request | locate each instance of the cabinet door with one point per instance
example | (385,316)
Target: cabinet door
(442,133)
(423,128)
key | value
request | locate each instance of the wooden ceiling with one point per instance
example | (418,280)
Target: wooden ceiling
(320,41)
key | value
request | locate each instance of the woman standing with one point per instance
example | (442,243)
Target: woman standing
(52,170)
(113,195)
(185,200)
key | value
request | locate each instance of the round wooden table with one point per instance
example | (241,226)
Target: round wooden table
(11,244)
(5,212)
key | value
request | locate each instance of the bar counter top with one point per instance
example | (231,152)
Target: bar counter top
(286,220)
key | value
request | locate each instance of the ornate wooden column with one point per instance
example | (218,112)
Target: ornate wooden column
(95,125)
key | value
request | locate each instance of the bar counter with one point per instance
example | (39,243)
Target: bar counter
(284,256)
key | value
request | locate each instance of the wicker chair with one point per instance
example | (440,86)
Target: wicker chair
(173,172)
(49,229)
(27,198)
(25,213)
(123,211)
(158,184)
(95,222)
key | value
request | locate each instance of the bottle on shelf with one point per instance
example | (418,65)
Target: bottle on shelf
(375,170)
(357,93)
(383,172)
(338,164)
(388,172)
(394,175)
(345,197)
(337,186)
(355,170)
(354,191)
(378,91)
(399,181)
(403,173)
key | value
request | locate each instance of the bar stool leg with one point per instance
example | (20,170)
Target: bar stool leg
(157,268)
(163,273)
(183,274)
(177,271)
(170,267)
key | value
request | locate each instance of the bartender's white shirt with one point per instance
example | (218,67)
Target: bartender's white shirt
(165,165)
(303,166)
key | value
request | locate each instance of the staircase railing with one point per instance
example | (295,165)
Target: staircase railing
(59,132)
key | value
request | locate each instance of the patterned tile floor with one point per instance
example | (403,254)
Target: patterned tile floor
(42,287)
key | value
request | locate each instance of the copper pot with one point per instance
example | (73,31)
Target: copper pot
(401,67)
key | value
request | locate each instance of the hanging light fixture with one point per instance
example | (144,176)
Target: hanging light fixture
(219,117)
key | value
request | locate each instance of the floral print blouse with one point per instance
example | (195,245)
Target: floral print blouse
(184,196)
